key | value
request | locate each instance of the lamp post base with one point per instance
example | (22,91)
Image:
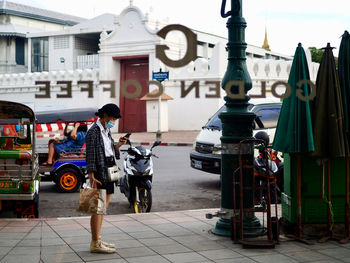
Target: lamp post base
(223,226)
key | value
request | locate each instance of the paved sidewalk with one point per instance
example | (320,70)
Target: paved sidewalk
(178,237)
(171,138)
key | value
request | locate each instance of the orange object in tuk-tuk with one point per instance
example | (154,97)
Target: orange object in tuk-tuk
(19,178)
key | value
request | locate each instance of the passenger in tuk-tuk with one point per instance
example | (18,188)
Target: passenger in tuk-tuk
(75,140)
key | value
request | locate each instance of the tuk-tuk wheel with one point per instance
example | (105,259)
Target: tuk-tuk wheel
(68,180)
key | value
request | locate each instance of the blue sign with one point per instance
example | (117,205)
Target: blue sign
(160,75)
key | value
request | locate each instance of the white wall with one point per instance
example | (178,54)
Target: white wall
(21,88)
(55,54)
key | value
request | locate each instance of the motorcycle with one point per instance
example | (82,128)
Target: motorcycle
(275,174)
(136,183)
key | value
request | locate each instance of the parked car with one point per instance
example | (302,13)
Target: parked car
(206,153)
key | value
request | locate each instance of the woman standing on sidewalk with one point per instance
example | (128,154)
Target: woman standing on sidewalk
(100,152)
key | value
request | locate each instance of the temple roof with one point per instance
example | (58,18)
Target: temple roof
(266,42)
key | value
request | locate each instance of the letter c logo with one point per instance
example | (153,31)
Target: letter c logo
(191,53)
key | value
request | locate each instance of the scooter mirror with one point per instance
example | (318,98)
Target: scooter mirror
(156,143)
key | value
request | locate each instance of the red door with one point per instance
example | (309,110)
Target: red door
(133,111)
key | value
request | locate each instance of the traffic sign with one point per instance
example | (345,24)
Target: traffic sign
(160,76)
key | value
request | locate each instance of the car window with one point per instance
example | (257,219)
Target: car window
(215,122)
(268,117)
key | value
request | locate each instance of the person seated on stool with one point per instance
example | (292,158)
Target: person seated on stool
(75,141)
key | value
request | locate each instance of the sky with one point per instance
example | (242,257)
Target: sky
(310,22)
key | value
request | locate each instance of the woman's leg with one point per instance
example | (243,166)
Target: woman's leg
(107,203)
(96,222)
(51,153)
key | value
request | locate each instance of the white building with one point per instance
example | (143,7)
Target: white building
(16,21)
(123,48)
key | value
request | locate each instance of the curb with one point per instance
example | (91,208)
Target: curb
(50,135)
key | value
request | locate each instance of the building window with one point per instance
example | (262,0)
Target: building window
(40,54)
(20,51)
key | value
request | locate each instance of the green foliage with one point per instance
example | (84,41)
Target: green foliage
(316,54)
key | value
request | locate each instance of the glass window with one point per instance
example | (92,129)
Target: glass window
(40,54)
(268,117)
(20,50)
(215,122)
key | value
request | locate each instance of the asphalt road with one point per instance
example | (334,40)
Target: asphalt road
(176,186)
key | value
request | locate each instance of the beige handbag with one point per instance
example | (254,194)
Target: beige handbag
(114,173)
(92,201)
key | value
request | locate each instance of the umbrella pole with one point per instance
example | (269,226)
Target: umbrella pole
(329,212)
(299,230)
(299,233)
(329,225)
(347,224)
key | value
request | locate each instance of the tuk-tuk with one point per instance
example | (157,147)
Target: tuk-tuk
(69,169)
(19,178)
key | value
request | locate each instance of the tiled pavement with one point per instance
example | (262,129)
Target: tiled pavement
(177,237)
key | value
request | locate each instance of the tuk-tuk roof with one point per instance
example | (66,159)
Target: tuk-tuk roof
(70,115)
(15,110)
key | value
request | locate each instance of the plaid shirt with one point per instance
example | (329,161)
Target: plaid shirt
(95,153)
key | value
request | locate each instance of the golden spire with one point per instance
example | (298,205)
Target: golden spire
(266,43)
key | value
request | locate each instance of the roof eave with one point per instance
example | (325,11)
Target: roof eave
(12,34)
(38,17)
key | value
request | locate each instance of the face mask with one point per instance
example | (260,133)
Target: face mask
(110,125)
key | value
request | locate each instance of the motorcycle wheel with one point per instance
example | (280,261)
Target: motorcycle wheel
(145,204)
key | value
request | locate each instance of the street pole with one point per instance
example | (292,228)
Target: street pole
(159,132)
(237,123)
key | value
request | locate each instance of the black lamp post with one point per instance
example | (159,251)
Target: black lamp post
(237,122)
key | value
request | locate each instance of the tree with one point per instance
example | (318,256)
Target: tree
(316,54)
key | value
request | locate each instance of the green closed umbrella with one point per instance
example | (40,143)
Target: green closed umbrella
(328,116)
(344,81)
(328,122)
(344,76)
(294,129)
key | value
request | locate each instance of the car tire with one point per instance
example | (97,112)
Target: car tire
(68,180)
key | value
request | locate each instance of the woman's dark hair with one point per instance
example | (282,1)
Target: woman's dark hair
(110,109)
(99,113)
(82,127)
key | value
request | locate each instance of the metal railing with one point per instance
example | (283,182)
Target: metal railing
(87,61)
(11,171)
(73,153)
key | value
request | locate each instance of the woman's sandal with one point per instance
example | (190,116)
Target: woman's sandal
(47,164)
